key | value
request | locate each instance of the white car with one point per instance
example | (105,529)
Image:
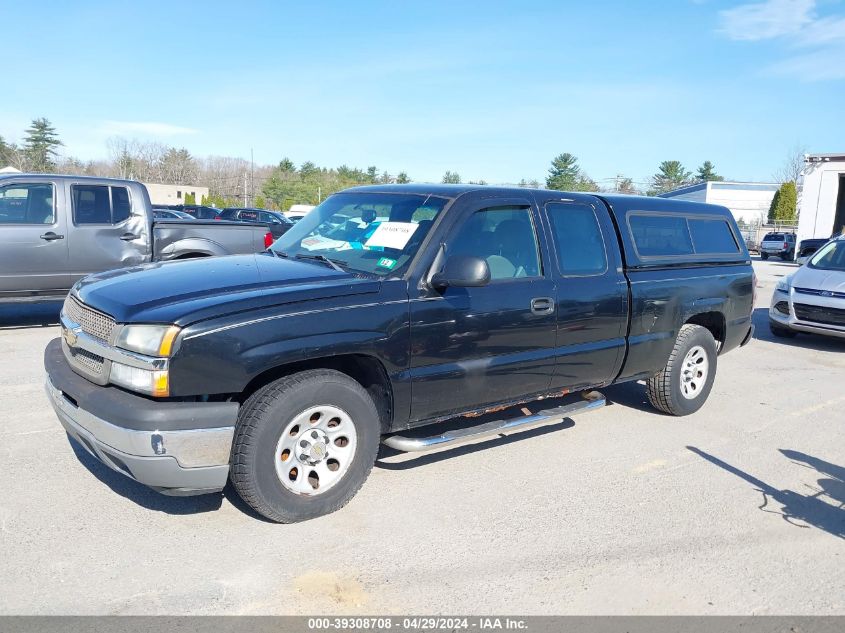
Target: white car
(813,299)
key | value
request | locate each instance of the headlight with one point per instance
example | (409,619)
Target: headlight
(783,285)
(155,383)
(151,340)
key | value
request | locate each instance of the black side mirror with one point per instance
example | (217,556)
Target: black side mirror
(462,271)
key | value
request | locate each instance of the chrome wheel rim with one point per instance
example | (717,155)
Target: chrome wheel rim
(694,371)
(315,450)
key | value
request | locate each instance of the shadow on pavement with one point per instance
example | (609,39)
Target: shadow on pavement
(29,315)
(631,395)
(817,342)
(140,494)
(807,508)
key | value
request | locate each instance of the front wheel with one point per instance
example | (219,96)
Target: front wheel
(304,445)
(682,386)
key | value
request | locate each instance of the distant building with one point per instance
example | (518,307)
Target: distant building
(748,201)
(821,198)
(174,194)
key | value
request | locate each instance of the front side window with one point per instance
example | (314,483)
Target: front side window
(504,237)
(660,235)
(27,204)
(578,240)
(371,233)
(100,204)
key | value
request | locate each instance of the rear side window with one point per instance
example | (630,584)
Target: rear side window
(712,236)
(661,235)
(100,204)
(578,241)
(26,204)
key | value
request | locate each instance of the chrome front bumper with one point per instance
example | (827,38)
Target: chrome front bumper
(164,445)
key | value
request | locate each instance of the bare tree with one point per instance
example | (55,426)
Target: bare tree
(792,166)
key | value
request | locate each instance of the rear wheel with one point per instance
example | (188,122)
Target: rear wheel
(764,256)
(682,386)
(304,445)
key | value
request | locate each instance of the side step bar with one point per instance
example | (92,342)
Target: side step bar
(591,400)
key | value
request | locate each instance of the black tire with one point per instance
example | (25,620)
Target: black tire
(781,332)
(262,420)
(764,256)
(664,388)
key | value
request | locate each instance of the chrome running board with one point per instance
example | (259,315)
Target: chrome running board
(591,400)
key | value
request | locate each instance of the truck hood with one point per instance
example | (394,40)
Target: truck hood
(815,279)
(184,292)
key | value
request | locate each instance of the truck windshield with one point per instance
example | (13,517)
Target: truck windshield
(373,233)
(830,257)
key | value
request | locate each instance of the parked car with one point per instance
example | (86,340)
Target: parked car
(163,213)
(278,223)
(813,299)
(54,230)
(807,247)
(284,370)
(780,244)
(196,211)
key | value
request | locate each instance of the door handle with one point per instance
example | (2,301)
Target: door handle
(50,236)
(542,305)
(128,237)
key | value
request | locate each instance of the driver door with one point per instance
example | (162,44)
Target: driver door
(472,347)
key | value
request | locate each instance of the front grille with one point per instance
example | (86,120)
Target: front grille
(82,357)
(93,323)
(820,314)
(820,293)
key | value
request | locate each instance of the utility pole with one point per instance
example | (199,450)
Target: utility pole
(252,177)
(245,191)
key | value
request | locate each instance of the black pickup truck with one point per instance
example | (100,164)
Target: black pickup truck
(414,315)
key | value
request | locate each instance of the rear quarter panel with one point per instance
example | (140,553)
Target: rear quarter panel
(663,300)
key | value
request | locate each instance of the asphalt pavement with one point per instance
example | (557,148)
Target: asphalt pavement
(737,509)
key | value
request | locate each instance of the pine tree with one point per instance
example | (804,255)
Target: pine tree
(707,172)
(402,178)
(40,145)
(564,173)
(671,176)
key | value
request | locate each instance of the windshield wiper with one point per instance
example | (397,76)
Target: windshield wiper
(322,258)
(281,254)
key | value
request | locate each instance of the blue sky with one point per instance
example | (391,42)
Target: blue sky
(491,90)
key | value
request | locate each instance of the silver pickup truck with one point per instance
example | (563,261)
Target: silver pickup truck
(55,230)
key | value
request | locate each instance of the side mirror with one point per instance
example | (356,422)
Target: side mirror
(462,271)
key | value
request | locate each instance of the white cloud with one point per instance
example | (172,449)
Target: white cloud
(796,24)
(145,128)
(765,20)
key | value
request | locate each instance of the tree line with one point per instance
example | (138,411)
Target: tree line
(235,181)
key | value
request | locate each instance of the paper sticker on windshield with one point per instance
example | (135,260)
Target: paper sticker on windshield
(392,235)
(320,243)
(386,262)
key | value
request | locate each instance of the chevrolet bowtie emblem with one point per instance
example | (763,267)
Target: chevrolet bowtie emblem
(70,337)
